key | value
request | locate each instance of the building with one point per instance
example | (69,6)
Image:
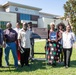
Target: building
(14,12)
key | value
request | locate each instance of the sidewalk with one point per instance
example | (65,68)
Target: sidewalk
(38,40)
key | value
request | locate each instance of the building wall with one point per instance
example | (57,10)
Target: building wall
(21,10)
(44,22)
(1,9)
(8,17)
(40,23)
(24,14)
(46,16)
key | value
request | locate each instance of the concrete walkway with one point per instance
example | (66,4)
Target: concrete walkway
(38,40)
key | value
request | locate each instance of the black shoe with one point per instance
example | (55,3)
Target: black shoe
(68,65)
(28,65)
(21,65)
(1,66)
(16,67)
(54,64)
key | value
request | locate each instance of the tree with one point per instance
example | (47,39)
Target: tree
(70,12)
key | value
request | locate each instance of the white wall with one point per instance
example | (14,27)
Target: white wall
(43,22)
(11,17)
(40,23)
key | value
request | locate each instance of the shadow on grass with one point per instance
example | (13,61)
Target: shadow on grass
(73,64)
(35,65)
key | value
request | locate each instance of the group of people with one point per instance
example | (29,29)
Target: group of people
(16,40)
(59,44)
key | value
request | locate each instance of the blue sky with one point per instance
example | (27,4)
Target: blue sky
(48,6)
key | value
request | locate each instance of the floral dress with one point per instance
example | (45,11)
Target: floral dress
(52,49)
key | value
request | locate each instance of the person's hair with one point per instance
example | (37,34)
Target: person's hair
(61,24)
(30,23)
(8,23)
(17,23)
(52,23)
(25,24)
(69,25)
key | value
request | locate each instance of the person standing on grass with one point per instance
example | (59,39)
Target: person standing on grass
(17,29)
(68,38)
(24,44)
(60,30)
(52,49)
(32,41)
(1,45)
(10,38)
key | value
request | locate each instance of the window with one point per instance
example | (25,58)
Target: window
(24,17)
(34,18)
(3,24)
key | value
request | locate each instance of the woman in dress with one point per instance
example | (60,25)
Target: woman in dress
(60,30)
(51,48)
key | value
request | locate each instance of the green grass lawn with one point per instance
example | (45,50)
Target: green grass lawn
(39,67)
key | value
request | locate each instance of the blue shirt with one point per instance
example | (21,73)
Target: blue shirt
(53,36)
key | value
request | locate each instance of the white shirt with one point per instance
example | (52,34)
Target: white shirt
(24,36)
(17,29)
(68,39)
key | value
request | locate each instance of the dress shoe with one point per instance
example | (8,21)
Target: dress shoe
(1,66)
(28,65)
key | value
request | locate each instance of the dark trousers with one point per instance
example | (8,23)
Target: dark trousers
(25,56)
(67,55)
(1,52)
(62,55)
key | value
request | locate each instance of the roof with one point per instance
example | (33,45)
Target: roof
(42,13)
(20,5)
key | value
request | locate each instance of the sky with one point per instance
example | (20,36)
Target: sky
(48,6)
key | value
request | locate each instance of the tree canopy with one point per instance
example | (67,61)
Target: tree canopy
(70,12)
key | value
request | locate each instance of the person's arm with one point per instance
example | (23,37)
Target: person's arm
(60,36)
(49,37)
(19,39)
(16,35)
(30,35)
(1,38)
(73,37)
(4,38)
